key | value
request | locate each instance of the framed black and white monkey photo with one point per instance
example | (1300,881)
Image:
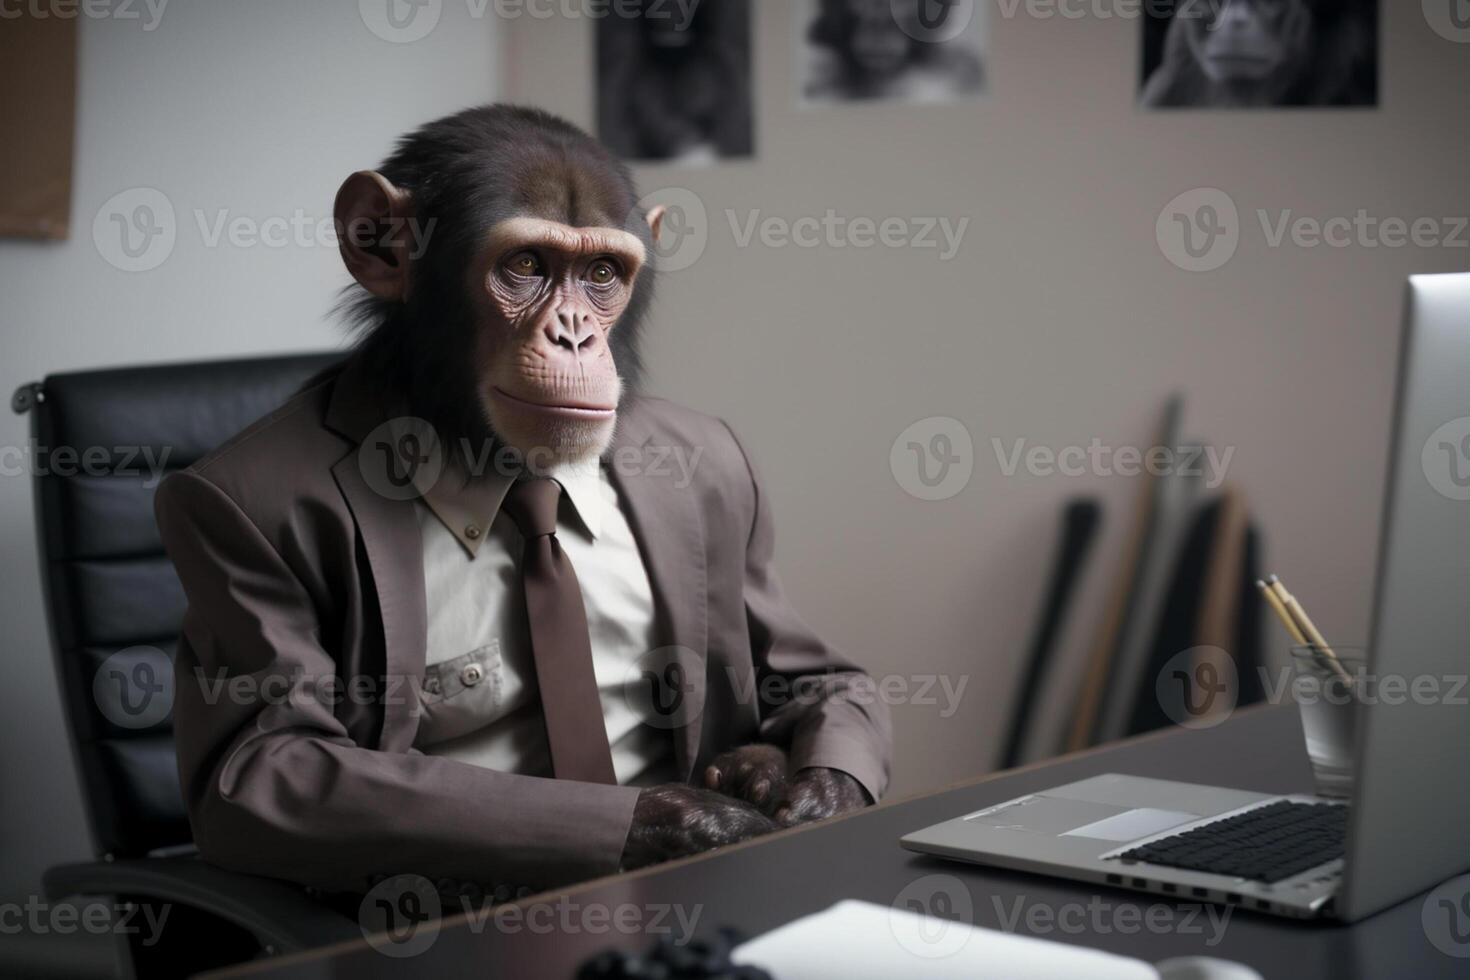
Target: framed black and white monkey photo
(1259,53)
(910,51)
(674,81)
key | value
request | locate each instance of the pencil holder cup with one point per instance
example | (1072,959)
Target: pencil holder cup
(1327,687)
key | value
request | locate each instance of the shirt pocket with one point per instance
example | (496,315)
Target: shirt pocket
(460,696)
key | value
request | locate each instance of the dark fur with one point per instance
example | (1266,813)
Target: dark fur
(466,172)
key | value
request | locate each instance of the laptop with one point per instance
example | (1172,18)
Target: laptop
(1407,825)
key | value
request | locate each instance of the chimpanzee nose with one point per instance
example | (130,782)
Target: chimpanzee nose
(572,330)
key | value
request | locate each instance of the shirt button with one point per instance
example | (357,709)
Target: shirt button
(471,675)
(472,531)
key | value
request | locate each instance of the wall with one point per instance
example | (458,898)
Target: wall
(256,109)
(1059,321)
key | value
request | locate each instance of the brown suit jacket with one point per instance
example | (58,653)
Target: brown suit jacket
(297,675)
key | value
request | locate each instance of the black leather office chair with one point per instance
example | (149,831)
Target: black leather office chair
(110,588)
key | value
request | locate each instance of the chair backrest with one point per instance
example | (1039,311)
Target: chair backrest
(102,440)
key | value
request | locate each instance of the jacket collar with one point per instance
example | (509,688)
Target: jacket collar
(356,408)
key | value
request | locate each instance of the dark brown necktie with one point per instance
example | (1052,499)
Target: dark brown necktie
(560,643)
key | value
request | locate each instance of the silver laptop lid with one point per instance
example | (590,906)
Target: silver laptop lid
(1410,827)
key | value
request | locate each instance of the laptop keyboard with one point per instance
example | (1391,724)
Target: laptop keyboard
(1268,844)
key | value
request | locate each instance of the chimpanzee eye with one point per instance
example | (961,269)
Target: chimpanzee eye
(602,272)
(524,264)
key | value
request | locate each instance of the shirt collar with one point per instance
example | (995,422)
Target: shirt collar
(467,505)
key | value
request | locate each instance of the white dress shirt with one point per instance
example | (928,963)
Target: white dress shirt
(479,700)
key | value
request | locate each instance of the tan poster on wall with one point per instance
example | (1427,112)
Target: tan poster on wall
(38,81)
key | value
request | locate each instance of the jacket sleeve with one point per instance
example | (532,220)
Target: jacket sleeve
(274,783)
(823,708)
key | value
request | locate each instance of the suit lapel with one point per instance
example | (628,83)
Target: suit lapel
(391,538)
(670,533)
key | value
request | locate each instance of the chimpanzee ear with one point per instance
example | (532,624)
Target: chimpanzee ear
(655,219)
(374,233)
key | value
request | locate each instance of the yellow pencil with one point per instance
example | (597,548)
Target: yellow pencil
(1274,601)
(1307,628)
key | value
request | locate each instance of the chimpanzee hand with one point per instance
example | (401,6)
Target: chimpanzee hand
(753,773)
(818,793)
(674,820)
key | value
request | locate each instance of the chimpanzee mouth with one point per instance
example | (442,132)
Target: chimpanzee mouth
(575,408)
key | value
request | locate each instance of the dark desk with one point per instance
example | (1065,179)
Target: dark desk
(765,883)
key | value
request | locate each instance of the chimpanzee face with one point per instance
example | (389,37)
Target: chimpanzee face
(516,318)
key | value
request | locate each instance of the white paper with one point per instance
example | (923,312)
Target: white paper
(861,941)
